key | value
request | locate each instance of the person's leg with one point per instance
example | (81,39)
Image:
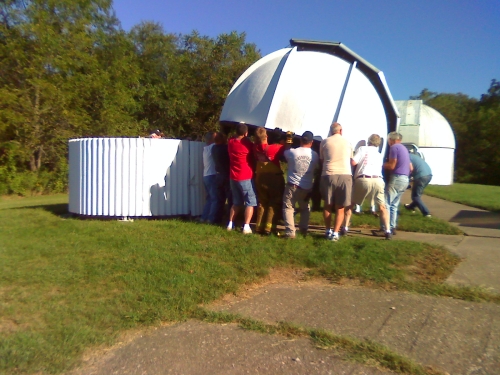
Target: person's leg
(208,203)
(237,202)
(397,187)
(221,191)
(250,201)
(339,218)
(303,198)
(248,214)
(347,216)
(342,198)
(327,194)
(212,182)
(378,197)
(261,194)
(288,208)
(419,185)
(276,188)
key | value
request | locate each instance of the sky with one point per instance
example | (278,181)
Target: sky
(446,46)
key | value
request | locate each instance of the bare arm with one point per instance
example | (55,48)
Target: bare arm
(391,164)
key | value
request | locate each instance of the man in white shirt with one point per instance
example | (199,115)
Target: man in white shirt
(302,162)
(368,181)
(209,176)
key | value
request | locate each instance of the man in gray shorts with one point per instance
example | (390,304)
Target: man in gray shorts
(336,179)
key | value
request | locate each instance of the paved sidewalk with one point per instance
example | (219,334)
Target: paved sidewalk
(480,247)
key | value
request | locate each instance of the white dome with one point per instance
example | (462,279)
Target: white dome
(307,87)
(423,125)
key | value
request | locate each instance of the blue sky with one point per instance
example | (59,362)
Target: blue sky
(444,45)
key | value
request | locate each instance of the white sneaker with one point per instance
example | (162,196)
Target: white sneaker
(247,231)
(229,228)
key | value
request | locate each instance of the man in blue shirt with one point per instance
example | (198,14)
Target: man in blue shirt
(422,175)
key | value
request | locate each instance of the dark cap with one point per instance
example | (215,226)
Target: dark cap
(307,137)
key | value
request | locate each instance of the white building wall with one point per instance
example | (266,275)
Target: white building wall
(133,177)
(441,161)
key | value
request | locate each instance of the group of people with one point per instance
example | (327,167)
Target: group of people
(248,174)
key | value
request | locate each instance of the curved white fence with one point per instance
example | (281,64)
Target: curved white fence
(128,177)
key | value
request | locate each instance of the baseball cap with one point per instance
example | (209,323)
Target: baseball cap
(307,137)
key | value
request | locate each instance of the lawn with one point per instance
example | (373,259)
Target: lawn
(68,284)
(481,196)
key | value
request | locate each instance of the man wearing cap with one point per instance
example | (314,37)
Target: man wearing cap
(302,162)
(368,180)
(240,177)
(336,179)
(399,165)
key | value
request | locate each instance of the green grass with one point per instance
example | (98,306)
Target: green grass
(68,284)
(407,221)
(481,196)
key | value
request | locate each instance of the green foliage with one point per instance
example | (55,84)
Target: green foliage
(475,124)
(68,70)
(480,196)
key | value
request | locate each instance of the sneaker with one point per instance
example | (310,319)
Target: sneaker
(247,231)
(343,231)
(229,228)
(428,216)
(407,206)
(393,231)
(378,232)
(289,236)
(329,235)
(388,235)
(334,238)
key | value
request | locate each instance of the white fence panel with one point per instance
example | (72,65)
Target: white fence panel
(125,177)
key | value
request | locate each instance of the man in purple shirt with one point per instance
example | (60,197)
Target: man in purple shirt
(399,167)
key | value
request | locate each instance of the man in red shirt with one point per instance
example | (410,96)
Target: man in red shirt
(240,177)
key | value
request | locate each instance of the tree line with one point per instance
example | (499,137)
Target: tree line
(69,70)
(476,124)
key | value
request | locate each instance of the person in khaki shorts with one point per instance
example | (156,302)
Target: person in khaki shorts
(302,162)
(368,180)
(336,179)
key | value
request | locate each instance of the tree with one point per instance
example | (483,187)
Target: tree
(475,124)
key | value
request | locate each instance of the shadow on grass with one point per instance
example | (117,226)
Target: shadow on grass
(59,209)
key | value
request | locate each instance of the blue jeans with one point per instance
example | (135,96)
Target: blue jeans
(223,194)
(393,191)
(210,208)
(417,190)
(243,193)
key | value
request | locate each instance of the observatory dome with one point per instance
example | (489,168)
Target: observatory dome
(310,85)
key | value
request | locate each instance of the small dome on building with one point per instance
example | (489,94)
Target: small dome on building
(426,128)
(423,125)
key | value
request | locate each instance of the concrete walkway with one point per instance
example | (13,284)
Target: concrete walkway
(480,247)
(451,336)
